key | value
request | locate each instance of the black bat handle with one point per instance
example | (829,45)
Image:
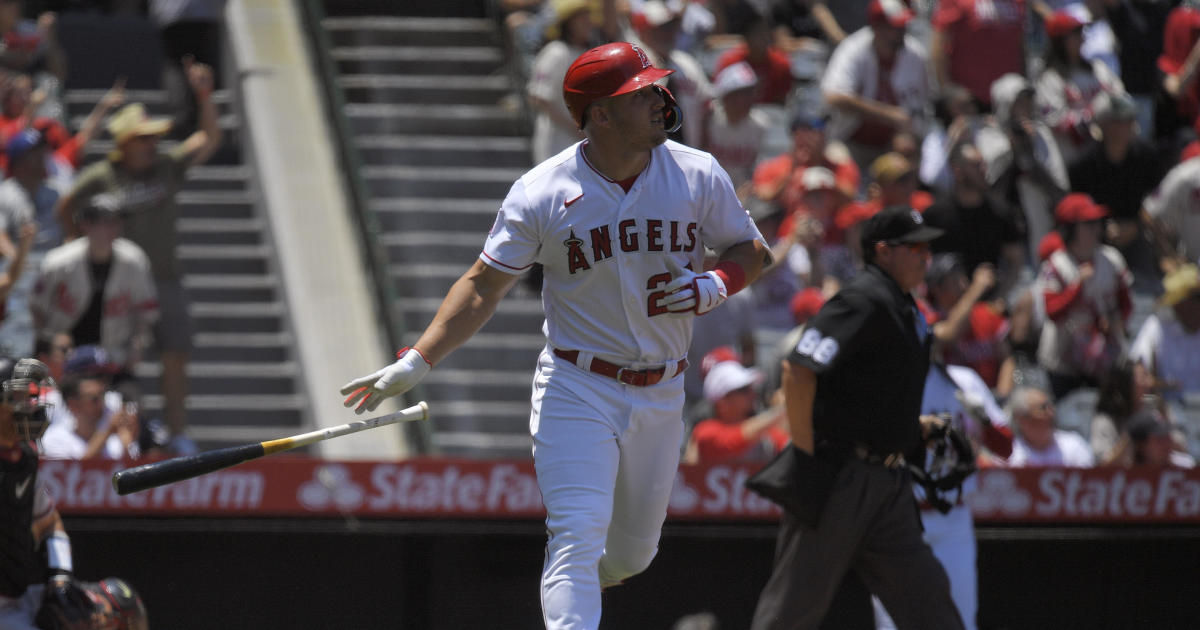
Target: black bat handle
(168,471)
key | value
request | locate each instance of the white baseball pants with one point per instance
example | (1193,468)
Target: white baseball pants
(606,454)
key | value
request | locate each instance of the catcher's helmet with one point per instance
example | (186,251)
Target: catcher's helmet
(110,604)
(25,392)
(610,70)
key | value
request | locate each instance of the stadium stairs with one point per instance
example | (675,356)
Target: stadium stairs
(243,376)
(428,104)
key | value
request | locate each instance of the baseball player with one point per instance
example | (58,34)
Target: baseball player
(37,588)
(620,222)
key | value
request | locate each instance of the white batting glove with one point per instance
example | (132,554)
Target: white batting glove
(370,390)
(696,292)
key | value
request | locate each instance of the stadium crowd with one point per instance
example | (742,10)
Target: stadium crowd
(1055,143)
(89,279)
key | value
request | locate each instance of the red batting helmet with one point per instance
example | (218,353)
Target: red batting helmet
(610,70)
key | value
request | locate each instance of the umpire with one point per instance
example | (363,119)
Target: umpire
(853,387)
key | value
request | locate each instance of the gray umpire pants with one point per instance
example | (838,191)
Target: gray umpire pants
(869,525)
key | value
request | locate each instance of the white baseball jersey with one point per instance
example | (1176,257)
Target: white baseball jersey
(1060,348)
(1173,352)
(549,69)
(736,146)
(1176,202)
(1068,449)
(605,251)
(854,69)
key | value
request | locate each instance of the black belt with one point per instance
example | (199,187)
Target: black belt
(861,452)
(887,460)
(637,378)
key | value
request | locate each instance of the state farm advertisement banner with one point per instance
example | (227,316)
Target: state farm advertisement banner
(449,488)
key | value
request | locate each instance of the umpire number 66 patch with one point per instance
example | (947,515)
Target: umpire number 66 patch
(821,349)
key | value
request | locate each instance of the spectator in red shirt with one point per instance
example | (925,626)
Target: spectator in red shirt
(772,66)
(19,101)
(975,42)
(779,180)
(735,432)
(968,330)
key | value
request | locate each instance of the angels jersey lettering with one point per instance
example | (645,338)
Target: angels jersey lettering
(591,237)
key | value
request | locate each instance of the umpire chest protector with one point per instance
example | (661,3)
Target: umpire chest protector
(20,562)
(870,349)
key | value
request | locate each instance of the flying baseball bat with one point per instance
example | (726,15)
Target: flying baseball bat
(168,471)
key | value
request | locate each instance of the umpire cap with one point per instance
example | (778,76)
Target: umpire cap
(897,224)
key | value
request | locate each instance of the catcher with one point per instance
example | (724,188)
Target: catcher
(37,587)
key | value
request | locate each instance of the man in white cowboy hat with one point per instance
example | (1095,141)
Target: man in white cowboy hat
(145,180)
(1168,343)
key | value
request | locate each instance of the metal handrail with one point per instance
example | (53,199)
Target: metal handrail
(418,434)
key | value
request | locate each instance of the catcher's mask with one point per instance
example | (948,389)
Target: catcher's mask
(25,393)
(125,605)
(110,604)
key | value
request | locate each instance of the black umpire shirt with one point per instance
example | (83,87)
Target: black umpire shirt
(869,347)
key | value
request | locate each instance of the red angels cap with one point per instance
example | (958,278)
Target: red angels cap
(738,76)
(894,12)
(606,71)
(1061,23)
(1179,35)
(720,354)
(806,303)
(1078,208)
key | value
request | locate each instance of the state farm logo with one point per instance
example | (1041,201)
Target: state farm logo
(501,488)
(77,485)
(331,486)
(721,491)
(998,493)
(1087,493)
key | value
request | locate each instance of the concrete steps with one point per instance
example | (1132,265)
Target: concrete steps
(428,101)
(242,377)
